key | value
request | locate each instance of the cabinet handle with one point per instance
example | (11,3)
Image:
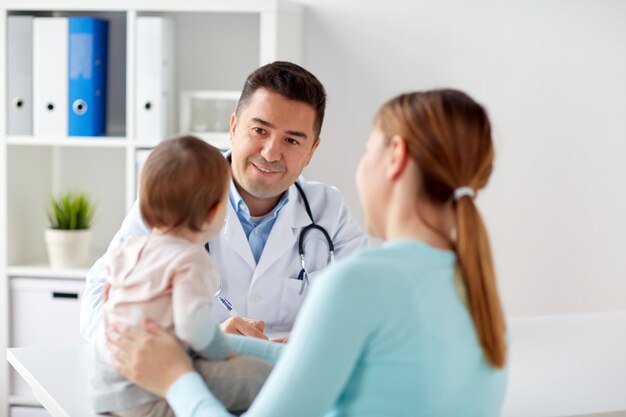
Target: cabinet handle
(65,295)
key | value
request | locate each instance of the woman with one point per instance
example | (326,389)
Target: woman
(413,327)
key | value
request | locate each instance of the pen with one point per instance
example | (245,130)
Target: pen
(228,306)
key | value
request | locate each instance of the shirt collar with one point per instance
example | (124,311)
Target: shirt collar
(241,208)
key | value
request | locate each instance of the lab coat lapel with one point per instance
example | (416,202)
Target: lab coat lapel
(284,234)
(235,237)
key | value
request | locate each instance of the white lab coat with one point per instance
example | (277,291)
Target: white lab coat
(270,289)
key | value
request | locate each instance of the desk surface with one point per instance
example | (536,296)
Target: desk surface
(58,376)
(567,365)
(559,366)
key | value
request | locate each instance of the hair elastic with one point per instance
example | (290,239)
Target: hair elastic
(462,192)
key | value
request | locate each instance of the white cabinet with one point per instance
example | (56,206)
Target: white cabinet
(20,411)
(216,44)
(43,312)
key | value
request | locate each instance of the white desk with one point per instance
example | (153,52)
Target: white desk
(559,366)
(569,365)
(58,376)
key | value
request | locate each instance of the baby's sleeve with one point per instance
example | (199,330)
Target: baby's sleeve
(195,280)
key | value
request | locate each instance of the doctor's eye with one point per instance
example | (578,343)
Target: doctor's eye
(292,141)
(258,130)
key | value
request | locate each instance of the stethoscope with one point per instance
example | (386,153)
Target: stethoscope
(304,273)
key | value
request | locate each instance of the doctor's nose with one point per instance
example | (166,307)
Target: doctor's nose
(270,150)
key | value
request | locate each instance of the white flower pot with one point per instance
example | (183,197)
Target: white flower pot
(68,248)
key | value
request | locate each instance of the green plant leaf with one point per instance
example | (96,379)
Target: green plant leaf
(71,211)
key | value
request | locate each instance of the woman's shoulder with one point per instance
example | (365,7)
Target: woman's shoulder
(369,263)
(368,259)
(398,254)
(390,266)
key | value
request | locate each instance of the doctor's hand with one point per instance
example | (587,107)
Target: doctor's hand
(244,326)
(149,357)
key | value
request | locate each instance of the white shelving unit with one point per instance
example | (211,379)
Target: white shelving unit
(217,44)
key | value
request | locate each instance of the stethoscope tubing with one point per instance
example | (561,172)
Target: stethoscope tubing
(301,238)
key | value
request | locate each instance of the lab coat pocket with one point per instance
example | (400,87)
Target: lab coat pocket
(291,300)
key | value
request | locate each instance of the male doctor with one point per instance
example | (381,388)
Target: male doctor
(274,133)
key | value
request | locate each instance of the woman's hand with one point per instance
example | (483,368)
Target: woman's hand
(149,357)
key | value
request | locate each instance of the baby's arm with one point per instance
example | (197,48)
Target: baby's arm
(193,291)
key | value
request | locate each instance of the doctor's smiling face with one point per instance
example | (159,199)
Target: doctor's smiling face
(273,138)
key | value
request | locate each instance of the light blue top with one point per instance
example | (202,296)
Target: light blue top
(382,333)
(257,233)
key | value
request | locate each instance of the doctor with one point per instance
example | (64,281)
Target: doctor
(274,133)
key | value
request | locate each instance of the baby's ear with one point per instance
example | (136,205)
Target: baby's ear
(214,210)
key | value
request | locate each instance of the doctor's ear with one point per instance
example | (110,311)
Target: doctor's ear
(398,157)
(315,145)
(233,126)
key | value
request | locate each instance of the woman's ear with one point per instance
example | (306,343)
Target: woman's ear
(398,157)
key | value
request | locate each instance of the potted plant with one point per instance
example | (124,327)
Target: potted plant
(69,236)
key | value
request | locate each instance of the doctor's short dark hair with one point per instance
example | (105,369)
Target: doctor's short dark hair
(290,81)
(181,181)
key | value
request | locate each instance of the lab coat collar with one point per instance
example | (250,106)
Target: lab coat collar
(234,236)
(298,217)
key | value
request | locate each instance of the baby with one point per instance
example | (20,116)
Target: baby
(168,277)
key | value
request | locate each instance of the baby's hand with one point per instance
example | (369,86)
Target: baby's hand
(105,292)
(231,355)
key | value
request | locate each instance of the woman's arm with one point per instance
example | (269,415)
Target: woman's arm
(149,357)
(262,349)
(155,360)
(327,341)
(313,371)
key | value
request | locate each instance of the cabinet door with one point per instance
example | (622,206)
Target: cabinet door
(43,312)
(19,411)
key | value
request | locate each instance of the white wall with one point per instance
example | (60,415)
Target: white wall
(553,77)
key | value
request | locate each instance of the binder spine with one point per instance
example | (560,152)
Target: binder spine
(50,80)
(20,75)
(87,63)
(154,76)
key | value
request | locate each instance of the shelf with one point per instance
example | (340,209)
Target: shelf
(24,400)
(220,141)
(145,144)
(73,141)
(44,271)
(155,6)
(205,32)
